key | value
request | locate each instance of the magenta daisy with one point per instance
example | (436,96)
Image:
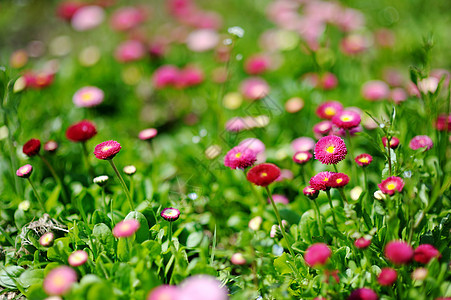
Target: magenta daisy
(107,150)
(88,96)
(329,109)
(320,181)
(421,141)
(322,128)
(165,292)
(240,157)
(302,157)
(59,281)
(398,252)
(147,134)
(330,149)
(263,174)
(25,171)
(347,119)
(364,159)
(394,142)
(78,258)
(362,243)
(317,254)
(126,228)
(170,214)
(387,277)
(310,192)
(338,180)
(391,185)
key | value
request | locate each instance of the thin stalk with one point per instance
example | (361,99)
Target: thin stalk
(56,177)
(318,217)
(124,186)
(367,187)
(342,194)
(257,196)
(112,216)
(37,195)
(335,168)
(389,156)
(132,187)
(87,164)
(105,207)
(351,153)
(303,174)
(170,234)
(6,235)
(332,209)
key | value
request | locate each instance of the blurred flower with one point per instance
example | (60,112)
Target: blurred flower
(232,100)
(81,131)
(237,124)
(379,195)
(59,281)
(202,287)
(24,205)
(398,95)
(293,105)
(303,144)
(254,88)
(202,40)
(328,81)
(126,18)
(107,150)
(129,51)
(317,255)
(285,174)
(255,222)
(363,294)
(88,96)
(391,185)
(213,151)
(18,59)
(347,119)
(322,128)
(67,9)
(32,147)
(329,109)
(51,146)
(385,38)
(78,258)
(420,274)
(362,243)
(394,142)
(398,252)
(330,149)
(387,277)
(263,174)
(310,192)
(38,80)
(170,214)
(364,159)
(236,31)
(338,180)
(354,44)
(257,64)
(302,157)
(356,192)
(87,17)
(189,76)
(443,123)
(25,171)
(424,253)
(320,181)
(165,76)
(375,90)
(46,240)
(421,141)
(253,144)
(147,134)
(279,199)
(238,259)
(164,292)
(129,170)
(101,180)
(126,228)
(240,157)
(428,85)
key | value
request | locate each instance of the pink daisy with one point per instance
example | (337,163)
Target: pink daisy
(303,144)
(322,128)
(330,149)
(394,142)
(421,141)
(147,134)
(126,228)
(88,96)
(254,88)
(391,185)
(317,254)
(364,159)
(338,180)
(302,157)
(375,90)
(387,277)
(78,258)
(398,252)
(320,181)
(362,243)
(24,171)
(329,109)
(347,119)
(107,150)
(363,294)
(59,281)
(240,157)
(166,292)
(279,199)
(310,192)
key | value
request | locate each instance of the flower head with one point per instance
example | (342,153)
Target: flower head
(101,180)
(329,109)
(398,252)
(391,185)
(240,157)
(253,144)
(25,171)
(279,199)
(263,174)
(322,128)
(424,253)
(317,254)
(147,134)
(126,228)
(238,259)
(363,294)
(81,131)
(375,90)
(51,146)
(303,144)
(302,157)
(364,159)
(255,223)
(170,214)
(362,243)
(165,292)
(131,50)
(254,88)
(32,147)
(330,149)
(78,258)
(394,142)
(46,240)
(59,281)
(338,180)
(203,287)
(419,274)
(421,141)
(310,192)
(88,96)
(320,181)
(347,119)
(443,122)
(107,150)
(387,277)
(129,170)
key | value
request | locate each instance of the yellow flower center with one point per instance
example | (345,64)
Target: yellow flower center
(391,186)
(364,160)
(326,179)
(106,148)
(47,239)
(330,149)
(339,180)
(330,111)
(59,281)
(346,118)
(238,155)
(301,156)
(164,296)
(87,96)
(264,174)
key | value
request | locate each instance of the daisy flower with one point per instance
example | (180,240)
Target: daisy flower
(240,157)
(107,150)
(88,96)
(320,181)
(421,141)
(330,149)
(391,185)
(263,174)
(329,109)
(347,119)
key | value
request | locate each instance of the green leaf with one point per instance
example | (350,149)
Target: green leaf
(52,200)
(103,235)
(281,264)
(30,277)
(143,232)
(9,275)
(194,239)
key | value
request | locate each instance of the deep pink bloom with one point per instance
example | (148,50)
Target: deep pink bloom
(257,64)
(170,214)
(165,76)
(87,17)
(88,96)
(338,180)
(67,9)
(363,160)
(126,228)
(362,243)
(59,281)
(32,147)
(279,199)
(330,149)
(424,253)
(394,142)
(126,18)
(347,119)
(263,174)
(165,292)
(81,131)
(310,192)
(202,287)
(398,252)
(189,76)
(320,181)
(254,88)
(240,157)
(302,157)
(38,80)
(317,254)
(375,90)
(78,258)
(387,277)
(128,51)
(303,144)
(391,185)
(107,150)
(328,81)
(25,171)
(329,109)
(421,141)
(363,294)
(443,123)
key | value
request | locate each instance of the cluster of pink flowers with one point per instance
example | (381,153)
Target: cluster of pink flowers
(171,76)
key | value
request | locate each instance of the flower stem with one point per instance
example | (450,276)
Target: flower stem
(132,187)
(351,153)
(367,187)
(124,186)
(170,234)
(37,195)
(318,217)
(87,164)
(332,209)
(56,177)
(105,207)
(343,195)
(389,156)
